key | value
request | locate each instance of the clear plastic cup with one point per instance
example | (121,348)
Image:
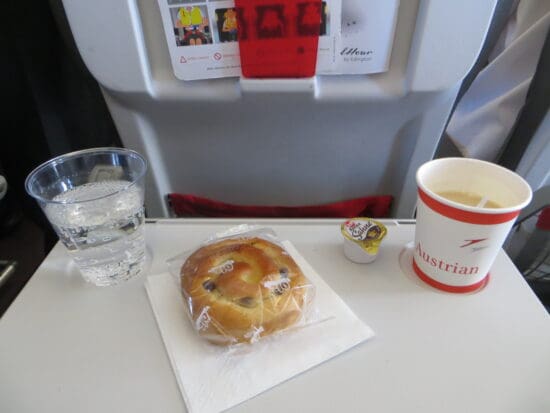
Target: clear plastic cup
(94,200)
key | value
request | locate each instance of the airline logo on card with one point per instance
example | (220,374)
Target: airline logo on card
(183,59)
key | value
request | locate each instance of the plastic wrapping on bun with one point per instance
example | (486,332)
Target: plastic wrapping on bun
(242,285)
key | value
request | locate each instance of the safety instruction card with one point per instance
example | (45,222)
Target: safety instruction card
(355,36)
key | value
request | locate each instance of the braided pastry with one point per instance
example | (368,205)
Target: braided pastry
(241,289)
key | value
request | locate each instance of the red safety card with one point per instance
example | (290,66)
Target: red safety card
(278,38)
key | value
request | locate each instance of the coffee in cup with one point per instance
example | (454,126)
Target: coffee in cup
(466,208)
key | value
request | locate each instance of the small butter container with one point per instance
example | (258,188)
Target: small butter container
(362,238)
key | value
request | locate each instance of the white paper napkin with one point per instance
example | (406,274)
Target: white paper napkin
(213,379)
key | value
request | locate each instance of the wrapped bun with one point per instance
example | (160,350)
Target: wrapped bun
(239,290)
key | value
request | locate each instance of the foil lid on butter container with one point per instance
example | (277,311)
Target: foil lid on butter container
(362,238)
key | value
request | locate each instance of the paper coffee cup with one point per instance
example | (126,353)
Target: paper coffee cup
(456,243)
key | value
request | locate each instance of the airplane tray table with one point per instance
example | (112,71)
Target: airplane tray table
(67,346)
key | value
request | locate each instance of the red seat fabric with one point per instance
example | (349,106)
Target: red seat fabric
(185,205)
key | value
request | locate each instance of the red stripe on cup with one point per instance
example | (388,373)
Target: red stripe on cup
(466,216)
(449,288)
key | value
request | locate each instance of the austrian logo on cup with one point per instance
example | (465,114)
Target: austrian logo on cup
(449,267)
(465,210)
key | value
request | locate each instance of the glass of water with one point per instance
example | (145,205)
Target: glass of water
(94,200)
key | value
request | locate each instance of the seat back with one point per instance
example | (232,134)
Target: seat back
(281,141)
